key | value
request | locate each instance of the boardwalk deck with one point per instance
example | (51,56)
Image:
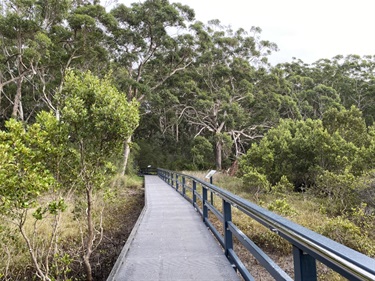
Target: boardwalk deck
(171,243)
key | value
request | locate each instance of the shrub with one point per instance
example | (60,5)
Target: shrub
(202,153)
(299,150)
(346,232)
(339,190)
(282,207)
(283,186)
(254,180)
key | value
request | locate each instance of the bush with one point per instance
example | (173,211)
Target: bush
(346,232)
(255,180)
(283,186)
(282,207)
(300,150)
(202,153)
(340,190)
(363,217)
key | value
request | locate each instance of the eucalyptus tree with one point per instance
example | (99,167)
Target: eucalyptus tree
(150,45)
(219,100)
(337,82)
(24,44)
(40,40)
(353,77)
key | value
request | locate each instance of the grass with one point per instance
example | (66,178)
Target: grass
(120,204)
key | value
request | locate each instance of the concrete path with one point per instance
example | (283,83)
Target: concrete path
(171,243)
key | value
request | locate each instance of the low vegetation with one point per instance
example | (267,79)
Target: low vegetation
(55,172)
(120,203)
(354,228)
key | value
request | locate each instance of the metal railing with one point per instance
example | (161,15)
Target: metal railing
(148,171)
(308,246)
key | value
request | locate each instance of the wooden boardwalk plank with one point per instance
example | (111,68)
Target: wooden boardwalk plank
(172,243)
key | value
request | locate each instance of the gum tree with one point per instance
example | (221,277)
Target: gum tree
(150,45)
(219,99)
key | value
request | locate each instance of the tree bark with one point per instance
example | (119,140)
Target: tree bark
(32,251)
(126,155)
(90,236)
(17,111)
(218,149)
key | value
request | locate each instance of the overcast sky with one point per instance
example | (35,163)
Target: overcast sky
(306,29)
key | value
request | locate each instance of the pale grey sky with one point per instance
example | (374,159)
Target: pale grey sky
(306,29)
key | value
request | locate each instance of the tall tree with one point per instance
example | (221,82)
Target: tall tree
(220,97)
(47,37)
(147,51)
(23,44)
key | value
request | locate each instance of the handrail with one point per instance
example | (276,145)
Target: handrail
(308,246)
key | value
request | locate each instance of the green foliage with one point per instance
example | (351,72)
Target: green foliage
(52,208)
(99,119)
(202,153)
(207,81)
(283,186)
(25,178)
(340,191)
(252,179)
(300,151)
(345,232)
(282,207)
(363,217)
(98,116)
(62,266)
(23,175)
(348,123)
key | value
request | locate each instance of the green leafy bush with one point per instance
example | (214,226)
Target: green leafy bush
(282,207)
(283,186)
(252,179)
(202,153)
(340,191)
(301,150)
(346,232)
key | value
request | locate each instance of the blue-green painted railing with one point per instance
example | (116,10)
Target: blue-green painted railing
(308,246)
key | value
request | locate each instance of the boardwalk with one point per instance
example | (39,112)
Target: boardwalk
(171,243)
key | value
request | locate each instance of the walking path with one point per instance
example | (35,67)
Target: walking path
(171,243)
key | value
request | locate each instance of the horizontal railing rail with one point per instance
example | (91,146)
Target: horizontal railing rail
(308,246)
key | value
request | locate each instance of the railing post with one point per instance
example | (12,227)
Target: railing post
(205,209)
(304,266)
(183,186)
(194,189)
(176,182)
(212,194)
(228,239)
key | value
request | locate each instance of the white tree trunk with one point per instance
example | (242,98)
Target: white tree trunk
(218,150)
(126,154)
